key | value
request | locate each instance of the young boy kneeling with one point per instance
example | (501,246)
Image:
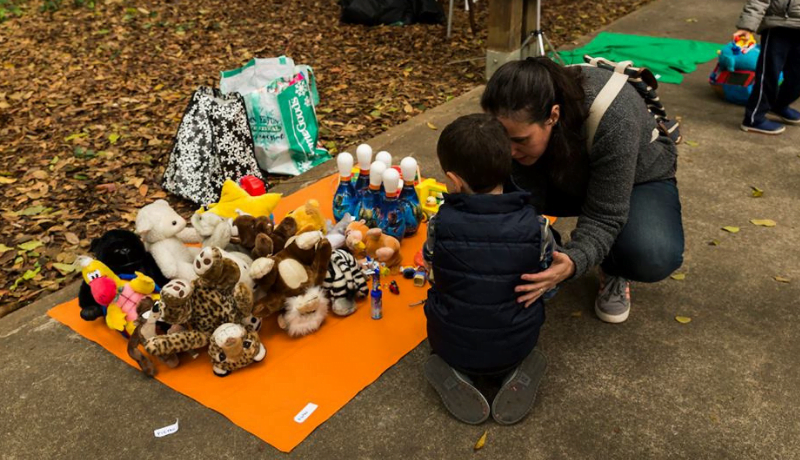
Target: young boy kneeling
(480,243)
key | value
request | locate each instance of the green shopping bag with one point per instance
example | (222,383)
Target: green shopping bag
(300,124)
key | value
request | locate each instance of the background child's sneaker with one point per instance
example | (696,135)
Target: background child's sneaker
(460,397)
(788,115)
(516,396)
(764,127)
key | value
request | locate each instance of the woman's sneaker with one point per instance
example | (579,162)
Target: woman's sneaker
(788,115)
(518,393)
(764,127)
(460,397)
(613,303)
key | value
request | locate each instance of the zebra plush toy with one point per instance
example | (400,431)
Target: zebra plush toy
(345,281)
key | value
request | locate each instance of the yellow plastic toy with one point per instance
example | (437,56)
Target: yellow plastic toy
(430,195)
(309,218)
(235,201)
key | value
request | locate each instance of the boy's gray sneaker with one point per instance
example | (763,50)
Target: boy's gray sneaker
(613,303)
(516,396)
(460,397)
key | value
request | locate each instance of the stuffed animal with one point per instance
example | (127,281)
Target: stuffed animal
(165,233)
(147,326)
(384,249)
(214,298)
(308,217)
(336,233)
(118,298)
(258,235)
(121,252)
(345,282)
(235,201)
(233,347)
(292,280)
(354,239)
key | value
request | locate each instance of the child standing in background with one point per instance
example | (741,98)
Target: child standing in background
(778,21)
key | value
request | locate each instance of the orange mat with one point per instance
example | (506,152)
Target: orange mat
(326,369)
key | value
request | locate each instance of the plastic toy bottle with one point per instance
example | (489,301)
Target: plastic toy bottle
(371,202)
(384,157)
(391,219)
(345,200)
(364,156)
(409,200)
(376,303)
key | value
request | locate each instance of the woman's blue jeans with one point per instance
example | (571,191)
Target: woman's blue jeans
(650,246)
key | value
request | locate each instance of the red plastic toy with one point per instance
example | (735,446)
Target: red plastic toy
(253,185)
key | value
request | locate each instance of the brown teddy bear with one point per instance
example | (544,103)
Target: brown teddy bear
(292,280)
(261,237)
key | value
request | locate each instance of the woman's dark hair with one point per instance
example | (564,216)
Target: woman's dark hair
(527,90)
(477,148)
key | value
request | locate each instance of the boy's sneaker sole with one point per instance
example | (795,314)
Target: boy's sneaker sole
(750,129)
(608,318)
(518,393)
(460,397)
(787,121)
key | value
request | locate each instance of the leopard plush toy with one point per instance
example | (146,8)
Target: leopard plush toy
(233,347)
(216,297)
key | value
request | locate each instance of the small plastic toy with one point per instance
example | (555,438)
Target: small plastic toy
(253,185)
(235,201)
(420,277)
(394,288)
(430,195)
(377,303)
(408,272)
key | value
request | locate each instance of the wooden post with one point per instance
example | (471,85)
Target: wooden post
(510,21)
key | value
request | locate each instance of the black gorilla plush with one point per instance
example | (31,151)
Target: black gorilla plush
(123,252)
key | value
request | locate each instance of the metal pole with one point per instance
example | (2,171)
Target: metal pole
(539,33)
(450,19)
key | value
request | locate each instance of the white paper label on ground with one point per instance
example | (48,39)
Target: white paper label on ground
(167,430)
(305,413)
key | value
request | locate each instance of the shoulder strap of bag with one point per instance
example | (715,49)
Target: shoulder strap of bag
(605,97)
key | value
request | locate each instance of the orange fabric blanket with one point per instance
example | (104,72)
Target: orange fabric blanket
(272,399)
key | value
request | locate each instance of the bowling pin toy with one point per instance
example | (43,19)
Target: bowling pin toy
(391,219)
(345,200)
(384,157)
(371,202)
(409,200)
(364,156)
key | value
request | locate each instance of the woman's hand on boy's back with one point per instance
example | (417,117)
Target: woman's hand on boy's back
(561,269)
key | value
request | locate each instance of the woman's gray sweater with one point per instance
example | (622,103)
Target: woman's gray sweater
(624,153)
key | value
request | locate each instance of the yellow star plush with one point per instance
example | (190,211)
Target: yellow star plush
(235,201)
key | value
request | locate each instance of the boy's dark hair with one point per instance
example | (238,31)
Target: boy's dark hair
(477,149)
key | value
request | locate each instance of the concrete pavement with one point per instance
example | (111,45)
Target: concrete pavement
(722,386)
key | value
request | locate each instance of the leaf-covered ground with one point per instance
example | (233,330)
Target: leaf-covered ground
(91,94)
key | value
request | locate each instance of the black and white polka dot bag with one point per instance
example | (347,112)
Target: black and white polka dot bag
(213,143)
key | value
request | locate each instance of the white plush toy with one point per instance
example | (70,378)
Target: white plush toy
(164,233)
(216,231)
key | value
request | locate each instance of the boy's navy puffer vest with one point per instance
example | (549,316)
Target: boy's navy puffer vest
(482,246)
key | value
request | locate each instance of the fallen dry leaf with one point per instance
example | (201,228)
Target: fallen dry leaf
(7,180)
(64,268)
(731,229)
(576,314)
(72,238)
(431,125)
(481,441)
(678,276)
(683,319)
(4,248)
(713,243)
(757,192)
(30,245)
(691,143)
(763,222)
(781,279)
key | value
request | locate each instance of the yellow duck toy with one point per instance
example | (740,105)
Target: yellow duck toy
(235,201)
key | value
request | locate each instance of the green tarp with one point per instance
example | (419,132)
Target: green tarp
(667,58)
